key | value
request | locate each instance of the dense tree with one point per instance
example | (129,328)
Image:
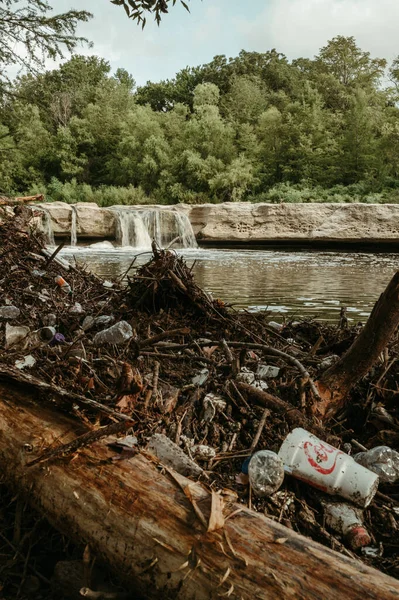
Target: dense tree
(255,126)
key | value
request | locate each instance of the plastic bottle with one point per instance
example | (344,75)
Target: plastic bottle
(266,472)
(117,334)
(327,468)
(60,281)
(382,460)
(347,520)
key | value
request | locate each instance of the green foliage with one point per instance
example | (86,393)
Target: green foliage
(29,24)
(255,127)
(139,9)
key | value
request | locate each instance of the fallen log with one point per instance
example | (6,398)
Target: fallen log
(162,533)
(336,382)
(4,201)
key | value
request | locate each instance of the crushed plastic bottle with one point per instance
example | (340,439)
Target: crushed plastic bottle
(213,403)
(267,371)
(64,286)
(200,378)
(9,312)
(16,336)
(266,472)
(382,460)
(117,334)
(347,520)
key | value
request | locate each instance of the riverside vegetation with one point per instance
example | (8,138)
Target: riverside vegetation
(255,127)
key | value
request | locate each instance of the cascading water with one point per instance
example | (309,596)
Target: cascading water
(130,230)
(137,227)
(47,227)
(74,219)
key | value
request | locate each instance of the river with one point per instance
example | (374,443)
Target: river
(287,282)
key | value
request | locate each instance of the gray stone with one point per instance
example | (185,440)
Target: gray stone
(9,312)
(172,456)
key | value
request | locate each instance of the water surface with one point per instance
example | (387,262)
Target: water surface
(287,282)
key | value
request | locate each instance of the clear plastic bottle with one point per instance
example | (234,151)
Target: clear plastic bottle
(117,334)
(265,472)
(382,460)
(347,520)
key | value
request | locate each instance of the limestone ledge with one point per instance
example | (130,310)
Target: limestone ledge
(252,223)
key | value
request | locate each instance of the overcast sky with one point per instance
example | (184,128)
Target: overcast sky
(294,27)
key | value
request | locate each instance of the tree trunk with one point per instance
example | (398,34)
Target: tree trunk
(139,521)
(335,383)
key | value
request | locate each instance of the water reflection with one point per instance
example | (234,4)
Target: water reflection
(286,282)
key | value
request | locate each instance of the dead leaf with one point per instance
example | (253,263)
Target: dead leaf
(242,479)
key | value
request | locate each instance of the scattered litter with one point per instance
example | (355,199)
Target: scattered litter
(266,472)
(26,362)
(382,460)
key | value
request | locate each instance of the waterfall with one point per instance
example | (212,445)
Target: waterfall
(47,227)
(130,229)
(137,227)
(74,218)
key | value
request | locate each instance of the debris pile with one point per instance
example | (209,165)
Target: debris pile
(203,388)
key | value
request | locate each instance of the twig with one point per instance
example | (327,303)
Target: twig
(162,336)
(155,379)
(14,375)
(54,254)
(80,442)
(287,357)
(261,426)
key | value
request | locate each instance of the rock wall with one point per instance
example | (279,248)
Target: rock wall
(252,223)
(92,221)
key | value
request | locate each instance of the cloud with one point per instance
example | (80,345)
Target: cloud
(302,27)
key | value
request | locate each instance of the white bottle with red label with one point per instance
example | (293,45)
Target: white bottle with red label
(327,468)
(347,520)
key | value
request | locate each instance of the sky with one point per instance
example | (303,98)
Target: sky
(294,27)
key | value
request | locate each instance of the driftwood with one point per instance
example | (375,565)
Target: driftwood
(338,380)
(4,201)
(165,536)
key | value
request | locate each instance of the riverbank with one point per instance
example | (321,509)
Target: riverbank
(242,222)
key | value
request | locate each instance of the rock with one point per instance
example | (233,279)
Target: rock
(76,309)
(243,221)
(94,221)
(172,456)
(9,312)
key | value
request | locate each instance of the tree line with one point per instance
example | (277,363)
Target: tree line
(255,127)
